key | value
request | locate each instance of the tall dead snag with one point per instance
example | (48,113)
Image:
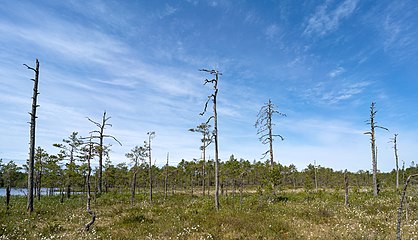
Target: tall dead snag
(206,140)
(213,97)
(100,135)
(166,178)
(32,136)
(89,157)
(395,147)
(264,124)
(151,135)
(398,228)
(135,155)
(373,126)
(346,202)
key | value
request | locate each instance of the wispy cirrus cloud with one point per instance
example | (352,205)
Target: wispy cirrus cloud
(336,72)
(326,20)
(329,93)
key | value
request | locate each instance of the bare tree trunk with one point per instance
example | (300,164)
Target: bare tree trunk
(32,137)
(166,178)
(101,136)
(215,128)
(398,228)
(346,188)
(371,122)
(133,187)
(93,214)
(395,147)
(316,179)
(150,136)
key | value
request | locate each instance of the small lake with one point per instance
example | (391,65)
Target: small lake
(23,191)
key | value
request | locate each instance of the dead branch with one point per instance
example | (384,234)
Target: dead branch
(398,228)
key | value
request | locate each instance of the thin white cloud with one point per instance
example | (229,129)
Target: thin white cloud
(333,93)
(336,72)
(272,31)
(326,20)
(168,11)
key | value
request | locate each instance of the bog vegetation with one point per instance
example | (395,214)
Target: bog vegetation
(260,199)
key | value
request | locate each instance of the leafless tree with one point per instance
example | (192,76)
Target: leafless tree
(265,124)
(346,202)
(166,177)
(395,147)
(213,97)
(206,140)
(101,136)
(373,126)
(398,228)
(89,157)
(32,136)
(151,135)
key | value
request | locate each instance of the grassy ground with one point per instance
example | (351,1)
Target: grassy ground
(289,215)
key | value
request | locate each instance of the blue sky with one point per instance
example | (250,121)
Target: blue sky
(321,62)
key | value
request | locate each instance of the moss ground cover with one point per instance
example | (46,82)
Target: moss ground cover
(288,215)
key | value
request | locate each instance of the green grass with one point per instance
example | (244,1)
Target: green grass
(288,215)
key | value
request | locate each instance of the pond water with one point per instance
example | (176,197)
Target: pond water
(23,191)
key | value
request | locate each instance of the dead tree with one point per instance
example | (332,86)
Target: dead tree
(32,136)
(135,155)
(264,124)
(316,175)
(92,213)
(398,228)
(151,135)
(373,126)
(346,202)
(166,178)
(395,147)
(206,140)
(213,97)
(100,135)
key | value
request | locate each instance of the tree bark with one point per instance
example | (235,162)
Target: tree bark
(32,138)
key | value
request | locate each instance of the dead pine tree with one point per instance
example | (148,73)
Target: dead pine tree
(166,177)
(398,228)
(151,135)
(33,117)
(264,125)
(101,136)
(213,97)
(346,202)
(373,126)
(89,157)
(395,147)
(206,140)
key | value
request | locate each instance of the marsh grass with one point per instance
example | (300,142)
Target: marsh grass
(287,215)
